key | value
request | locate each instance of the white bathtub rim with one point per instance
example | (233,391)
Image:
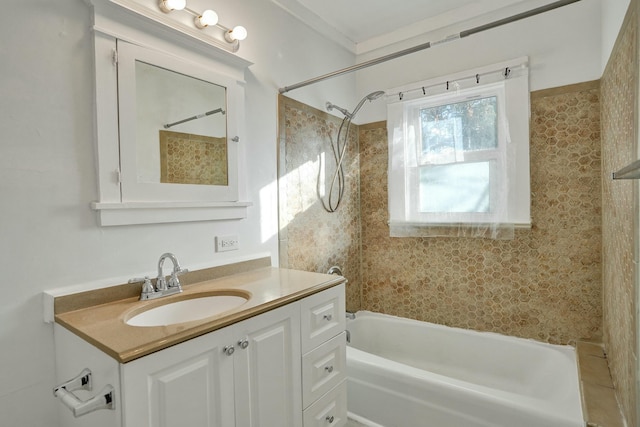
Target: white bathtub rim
(563,348)
(398,371)
(362,420)
(554,357)
(555,408)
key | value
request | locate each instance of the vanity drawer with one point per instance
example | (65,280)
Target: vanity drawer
(330,410)
(323,317)
(323,368)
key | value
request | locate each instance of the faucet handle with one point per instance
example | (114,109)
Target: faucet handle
(174,282)
(147,287)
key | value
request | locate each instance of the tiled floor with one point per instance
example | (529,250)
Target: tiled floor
(599,400)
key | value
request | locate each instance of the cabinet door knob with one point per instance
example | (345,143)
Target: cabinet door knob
(327,317)
(243,344)
(329,369)
(228,350)
(329,419)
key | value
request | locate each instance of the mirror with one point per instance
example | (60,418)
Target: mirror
(174,129)
(181,131)
(148,74)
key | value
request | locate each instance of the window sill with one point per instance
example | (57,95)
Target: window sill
(114,214)
(479,230)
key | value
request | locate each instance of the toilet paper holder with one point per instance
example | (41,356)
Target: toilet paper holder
(83,381)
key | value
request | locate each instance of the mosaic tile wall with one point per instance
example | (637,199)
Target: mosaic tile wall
(192,159)
(312,239)
(545,284)
(619,207)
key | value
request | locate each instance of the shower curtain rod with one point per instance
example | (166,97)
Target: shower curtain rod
(198,116)
(427,45)
(505,72)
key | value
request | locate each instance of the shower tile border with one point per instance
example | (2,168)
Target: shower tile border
(599,403)
(562,90)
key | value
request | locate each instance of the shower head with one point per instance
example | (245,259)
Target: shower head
(370,97)
(347,114)
(344,111)
(374,95)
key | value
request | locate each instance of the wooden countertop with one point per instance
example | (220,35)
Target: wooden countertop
(103,325)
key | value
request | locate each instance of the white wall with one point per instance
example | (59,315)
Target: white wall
(563,48)
(49,237)
(613,13)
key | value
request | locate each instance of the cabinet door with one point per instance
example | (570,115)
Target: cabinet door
(267,369)
(190,384)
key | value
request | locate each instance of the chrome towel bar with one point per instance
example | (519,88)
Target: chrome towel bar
(83,381)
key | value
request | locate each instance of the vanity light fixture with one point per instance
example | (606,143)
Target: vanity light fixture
(206,19)
(168,5)
(237,33)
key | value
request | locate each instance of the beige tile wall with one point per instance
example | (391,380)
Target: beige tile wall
(310,238)
(619,199)
(192,159)
(545,284)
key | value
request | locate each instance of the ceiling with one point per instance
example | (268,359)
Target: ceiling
(365,25)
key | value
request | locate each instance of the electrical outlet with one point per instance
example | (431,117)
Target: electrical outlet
(227,243)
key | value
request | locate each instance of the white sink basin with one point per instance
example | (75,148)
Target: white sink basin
(187,310)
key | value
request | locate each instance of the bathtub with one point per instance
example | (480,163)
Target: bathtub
(406,373)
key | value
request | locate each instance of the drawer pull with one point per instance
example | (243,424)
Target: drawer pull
(329,419)
(329,369)
(327,317)
(228,350)
(243,344)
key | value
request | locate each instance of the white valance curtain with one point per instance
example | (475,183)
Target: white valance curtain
(449,185)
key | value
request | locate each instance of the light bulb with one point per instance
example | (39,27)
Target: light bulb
(169,5)
(238,33)
(208,17)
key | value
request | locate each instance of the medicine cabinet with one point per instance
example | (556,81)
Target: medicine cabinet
(168,123)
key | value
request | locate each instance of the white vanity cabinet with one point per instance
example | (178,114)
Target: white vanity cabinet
(283,368)
(245,375)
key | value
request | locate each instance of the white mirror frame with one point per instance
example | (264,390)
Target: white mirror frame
(112,23)
(132,189)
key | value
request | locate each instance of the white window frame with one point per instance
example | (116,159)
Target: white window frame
(498,155)
(512,153)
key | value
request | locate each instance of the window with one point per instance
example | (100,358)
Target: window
(459,159)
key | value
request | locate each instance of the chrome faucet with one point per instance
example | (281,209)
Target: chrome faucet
(174,282)
(163,287)
(335,270)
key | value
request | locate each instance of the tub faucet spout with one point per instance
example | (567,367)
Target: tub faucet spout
(335,270)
